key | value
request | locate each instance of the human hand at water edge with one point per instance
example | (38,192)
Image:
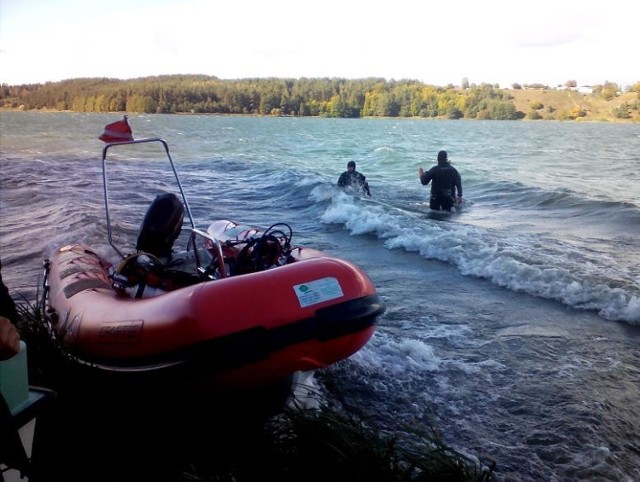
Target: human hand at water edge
(9,339)
(420,172)
(458,200)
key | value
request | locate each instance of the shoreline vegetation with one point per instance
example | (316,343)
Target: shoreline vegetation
(103,430)
(328,97)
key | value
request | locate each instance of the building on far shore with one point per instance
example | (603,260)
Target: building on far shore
(584,89)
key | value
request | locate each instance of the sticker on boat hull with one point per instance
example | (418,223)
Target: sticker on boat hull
(317,291)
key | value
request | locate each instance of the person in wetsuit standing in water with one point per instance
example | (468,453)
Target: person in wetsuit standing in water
(351,177)
(445,180)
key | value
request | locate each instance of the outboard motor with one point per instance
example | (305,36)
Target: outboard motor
(161,226)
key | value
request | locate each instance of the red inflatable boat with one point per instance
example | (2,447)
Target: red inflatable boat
(242,307)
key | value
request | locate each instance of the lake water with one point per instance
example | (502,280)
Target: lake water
(514,323)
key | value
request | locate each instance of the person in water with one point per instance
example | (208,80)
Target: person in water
(351,177)
(445,180)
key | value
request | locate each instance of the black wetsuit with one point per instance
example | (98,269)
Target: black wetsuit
(354,178)
(445,179)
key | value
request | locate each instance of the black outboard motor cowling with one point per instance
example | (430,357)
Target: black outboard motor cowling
(161,226)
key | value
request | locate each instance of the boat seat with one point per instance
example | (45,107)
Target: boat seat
(161,226)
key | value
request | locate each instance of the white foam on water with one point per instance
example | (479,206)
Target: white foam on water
(528,263)
(391,356)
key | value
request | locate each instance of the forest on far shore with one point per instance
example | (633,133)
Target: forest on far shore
(327,97)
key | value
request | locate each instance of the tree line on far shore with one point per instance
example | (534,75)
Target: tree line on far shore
(328,97)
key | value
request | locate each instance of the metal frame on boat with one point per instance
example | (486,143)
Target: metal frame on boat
(215,243)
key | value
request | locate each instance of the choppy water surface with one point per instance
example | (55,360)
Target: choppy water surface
(514,322)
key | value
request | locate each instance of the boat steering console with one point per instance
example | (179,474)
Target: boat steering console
(271,249)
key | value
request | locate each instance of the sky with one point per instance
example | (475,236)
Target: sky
(483,41)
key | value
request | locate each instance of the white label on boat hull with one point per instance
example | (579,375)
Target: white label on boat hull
(317,291)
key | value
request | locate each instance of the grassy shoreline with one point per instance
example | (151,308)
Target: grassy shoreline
(108,432)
